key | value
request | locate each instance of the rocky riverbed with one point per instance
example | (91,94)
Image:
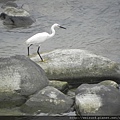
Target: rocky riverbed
(68,82)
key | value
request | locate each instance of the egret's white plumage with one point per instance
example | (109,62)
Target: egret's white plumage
(37,38)
(41,37)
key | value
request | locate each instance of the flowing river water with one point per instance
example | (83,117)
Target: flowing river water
(92,25)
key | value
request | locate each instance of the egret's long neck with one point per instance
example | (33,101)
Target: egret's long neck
(53,31)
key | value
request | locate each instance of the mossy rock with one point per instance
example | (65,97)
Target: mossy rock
(60,85)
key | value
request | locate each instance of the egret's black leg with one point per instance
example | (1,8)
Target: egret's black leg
(28,49)
(39,54)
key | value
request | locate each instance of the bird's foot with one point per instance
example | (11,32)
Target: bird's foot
(43,61)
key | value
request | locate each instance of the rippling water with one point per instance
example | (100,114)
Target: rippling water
(92,25)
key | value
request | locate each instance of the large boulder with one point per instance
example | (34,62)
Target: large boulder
(77,66)
(19,78)
(15,16)
(96,99)
(48,100)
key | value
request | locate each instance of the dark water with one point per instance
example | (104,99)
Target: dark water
(92,25)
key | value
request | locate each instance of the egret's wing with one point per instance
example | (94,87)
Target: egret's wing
(37,38)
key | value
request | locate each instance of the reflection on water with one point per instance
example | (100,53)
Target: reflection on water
(91,25)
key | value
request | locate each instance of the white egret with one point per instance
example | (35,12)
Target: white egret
(41,37)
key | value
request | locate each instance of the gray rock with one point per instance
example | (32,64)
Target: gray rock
(60,85)
(95,99)
(9,4)
(19,77)
(71,93)
(109,83)
(9,99)
(13,11)
(10,112)
(48,100)
(77,66)
(15,16)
